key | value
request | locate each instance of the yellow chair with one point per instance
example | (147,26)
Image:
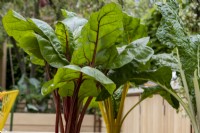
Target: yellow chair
(7,99)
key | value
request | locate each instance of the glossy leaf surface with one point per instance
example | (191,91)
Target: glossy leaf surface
(101,32)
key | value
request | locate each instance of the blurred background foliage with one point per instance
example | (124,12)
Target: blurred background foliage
(28,77)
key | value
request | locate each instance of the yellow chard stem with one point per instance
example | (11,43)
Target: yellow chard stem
(121,107)
(104,115)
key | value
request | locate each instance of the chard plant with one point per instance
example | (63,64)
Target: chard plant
(78,55)
(136,71)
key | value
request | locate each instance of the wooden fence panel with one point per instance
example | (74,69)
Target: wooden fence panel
(168,119)
(154,115)
(177,122)
(132,122)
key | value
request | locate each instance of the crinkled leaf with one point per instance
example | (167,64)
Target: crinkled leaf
(50,54)
(165,59)
(162,77)
(172,33)
(101,31)
(195,39)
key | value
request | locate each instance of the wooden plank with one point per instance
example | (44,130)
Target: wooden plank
(146,116)
(176,122)
(152,115)
(3,67)
(169,119)
(132,122)
(158,114)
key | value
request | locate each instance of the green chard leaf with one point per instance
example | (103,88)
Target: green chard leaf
(95,74)
(133,30)
(67,73)
(30,44)
(128,73)
(88,88)
(116,99)
(126,46)
(47,87)
(150,91)
(161,77)
(30,34)
(67,31)
(66,38)
(16,25)
(50,54)
(45,32)
(137,50)
(90,77)
(122,75)
(73,21)
(66,88)
(20,29)
(36,60)
(104,94)
(101,32)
